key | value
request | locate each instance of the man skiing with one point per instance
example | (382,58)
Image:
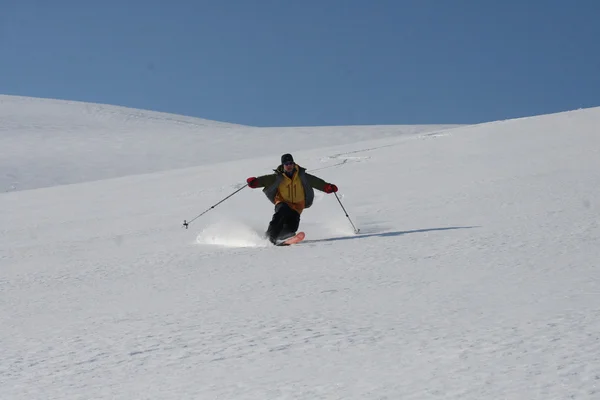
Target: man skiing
(290,188)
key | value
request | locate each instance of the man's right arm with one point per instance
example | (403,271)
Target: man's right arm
(261,181)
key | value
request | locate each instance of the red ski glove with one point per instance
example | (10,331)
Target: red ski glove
(330,188)
(252,182)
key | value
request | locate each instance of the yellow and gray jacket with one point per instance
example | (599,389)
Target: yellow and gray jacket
(296,191)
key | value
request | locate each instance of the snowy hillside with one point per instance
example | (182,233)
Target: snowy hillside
(46,142)
(475,275)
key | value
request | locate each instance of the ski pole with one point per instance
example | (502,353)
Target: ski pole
(186,223)
(338,199)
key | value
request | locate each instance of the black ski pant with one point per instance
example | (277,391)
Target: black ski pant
(284,223)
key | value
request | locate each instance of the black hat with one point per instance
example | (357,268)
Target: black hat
(286,158)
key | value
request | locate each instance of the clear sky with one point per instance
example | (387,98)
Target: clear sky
(309,62)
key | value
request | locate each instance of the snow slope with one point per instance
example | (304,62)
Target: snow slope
(475,275)
(45,142)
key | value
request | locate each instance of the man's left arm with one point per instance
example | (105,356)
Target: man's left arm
(320,184)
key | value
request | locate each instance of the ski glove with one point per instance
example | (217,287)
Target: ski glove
(330,188)
(252,182)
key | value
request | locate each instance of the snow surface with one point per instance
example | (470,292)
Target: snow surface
(475,276)
(50,142)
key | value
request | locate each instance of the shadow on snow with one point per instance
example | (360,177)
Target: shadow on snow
(388,234)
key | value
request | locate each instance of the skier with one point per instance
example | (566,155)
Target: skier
(290,188)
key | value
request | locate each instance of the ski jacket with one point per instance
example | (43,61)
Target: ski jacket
(296,191)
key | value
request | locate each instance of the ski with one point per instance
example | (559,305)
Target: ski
(297,238)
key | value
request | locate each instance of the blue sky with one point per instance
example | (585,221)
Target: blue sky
(304,63)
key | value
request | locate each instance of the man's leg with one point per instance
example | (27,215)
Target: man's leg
(290,223)
(276,224)
(284,221)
